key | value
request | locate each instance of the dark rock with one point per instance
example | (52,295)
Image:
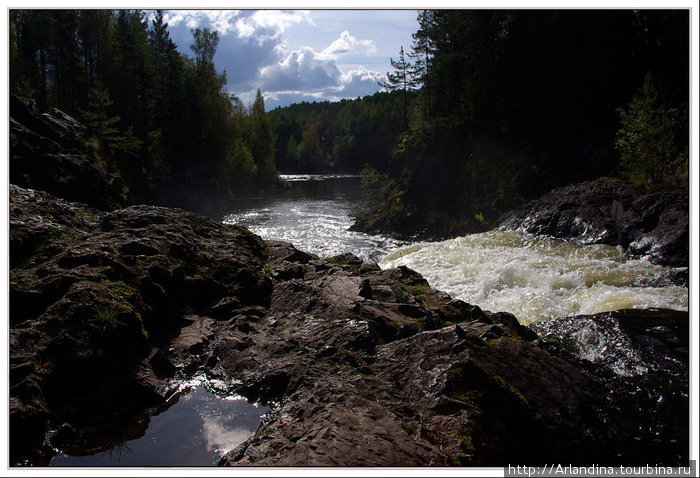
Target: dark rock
(608,211)
(48,152)
(643,357)
(362,367)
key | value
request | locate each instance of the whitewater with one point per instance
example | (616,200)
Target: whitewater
(533,277)
(539,277)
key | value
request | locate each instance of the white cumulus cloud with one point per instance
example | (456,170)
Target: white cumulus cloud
(345,44)
(221,21)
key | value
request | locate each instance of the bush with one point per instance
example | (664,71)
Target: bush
(652,151)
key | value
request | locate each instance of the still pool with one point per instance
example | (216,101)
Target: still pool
(196,431)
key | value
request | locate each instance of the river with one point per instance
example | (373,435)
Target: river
(535,278)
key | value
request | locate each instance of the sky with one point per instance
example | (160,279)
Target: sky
(299,55)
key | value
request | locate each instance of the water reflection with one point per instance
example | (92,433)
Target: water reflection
(196,431)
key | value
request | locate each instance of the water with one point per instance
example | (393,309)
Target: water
(314,215)
(535,278)
(538,278)
(196,431)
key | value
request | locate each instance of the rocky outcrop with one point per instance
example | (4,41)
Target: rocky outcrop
(361,366)
(51,152)
(608,211)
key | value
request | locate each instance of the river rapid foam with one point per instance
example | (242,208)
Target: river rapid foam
(539,277)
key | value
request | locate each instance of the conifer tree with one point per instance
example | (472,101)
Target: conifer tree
(400,79)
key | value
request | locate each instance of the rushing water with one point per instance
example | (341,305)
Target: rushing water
(314,215)
(534,278)
(537,277)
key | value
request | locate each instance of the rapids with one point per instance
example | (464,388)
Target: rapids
(538,277)
(534,277)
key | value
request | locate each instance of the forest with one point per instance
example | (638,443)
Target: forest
(122,75)
(343,137)
(511,104)
(486,109)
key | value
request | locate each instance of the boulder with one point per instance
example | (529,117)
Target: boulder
(49,152)
(609,211)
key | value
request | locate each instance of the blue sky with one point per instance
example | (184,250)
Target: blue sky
(300,55)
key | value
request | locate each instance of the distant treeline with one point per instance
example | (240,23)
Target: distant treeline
(511,104)
(339,136)
(122,75)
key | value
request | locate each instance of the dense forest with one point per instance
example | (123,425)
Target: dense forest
(514,103)
(344,136)
(122,75)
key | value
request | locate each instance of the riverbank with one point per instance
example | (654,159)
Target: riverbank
(361,366)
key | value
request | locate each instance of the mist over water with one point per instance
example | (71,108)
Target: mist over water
(538,278)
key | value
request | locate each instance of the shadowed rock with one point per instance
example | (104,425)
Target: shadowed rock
(608,211)
(361,366)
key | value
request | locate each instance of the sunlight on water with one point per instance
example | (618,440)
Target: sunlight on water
(536,277)
(317,226)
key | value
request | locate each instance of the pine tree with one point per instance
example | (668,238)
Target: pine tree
(400,79)
(262,140)
(96,116)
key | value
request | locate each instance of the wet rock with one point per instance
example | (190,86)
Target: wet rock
(361,366)
(643,357)
(608,211)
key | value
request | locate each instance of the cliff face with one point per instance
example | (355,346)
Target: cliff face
(363,366)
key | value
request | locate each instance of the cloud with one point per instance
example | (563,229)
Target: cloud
(255,54)
(302,70)
(221,21)
(259,24)
(345,44)
(311,72)
(359,82)
(270,23)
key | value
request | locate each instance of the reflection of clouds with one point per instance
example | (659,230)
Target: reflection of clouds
(220,438)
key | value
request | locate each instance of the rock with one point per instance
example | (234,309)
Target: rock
(635,350)
(361,366)
(608,211)
(48,152)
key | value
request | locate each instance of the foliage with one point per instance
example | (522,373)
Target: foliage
(340,136)
(652,153)
(515,103)
(402,78)
(120,71)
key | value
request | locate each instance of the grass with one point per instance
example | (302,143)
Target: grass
(107,316)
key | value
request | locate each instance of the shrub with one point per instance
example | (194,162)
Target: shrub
(650,141)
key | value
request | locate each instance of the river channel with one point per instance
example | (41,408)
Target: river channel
(535,278)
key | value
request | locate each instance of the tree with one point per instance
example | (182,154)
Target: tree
(262,140)
(652,153)
(400,79)
(96,116)
(423,49)
(292,152)
(310,150)
(205,44)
